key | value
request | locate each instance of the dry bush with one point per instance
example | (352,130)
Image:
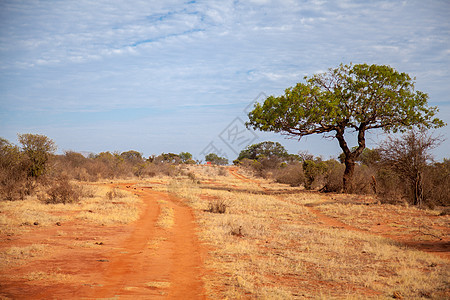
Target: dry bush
(291,174)
(333,177)
(62,191)
(437,184)
(115,193)
(362,180)
(390,187)
(155,169)
(191,176)
(14,167)
(223,171)
(217,206)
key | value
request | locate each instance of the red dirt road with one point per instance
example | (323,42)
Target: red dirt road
(141,260)
(157,262)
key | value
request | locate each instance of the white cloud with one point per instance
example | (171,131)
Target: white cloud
(93,55)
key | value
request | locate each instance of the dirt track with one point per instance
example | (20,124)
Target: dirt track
(140,260)
(154,261)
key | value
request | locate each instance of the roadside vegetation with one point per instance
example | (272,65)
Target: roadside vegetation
(269,243)
(370,223)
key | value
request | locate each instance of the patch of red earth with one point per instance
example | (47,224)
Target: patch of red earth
(136,260)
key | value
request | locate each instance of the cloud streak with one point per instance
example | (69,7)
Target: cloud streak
(62,57)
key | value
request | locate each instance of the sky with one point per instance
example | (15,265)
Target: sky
(180,76)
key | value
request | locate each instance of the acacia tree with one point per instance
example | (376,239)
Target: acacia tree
(354,98)
(215,159)
(270,150)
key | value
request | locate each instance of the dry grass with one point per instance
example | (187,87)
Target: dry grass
(166,218)
(52,277)
(110,206)
(272,247)
(14,256)
(158,284)
(96,206)
(421,224)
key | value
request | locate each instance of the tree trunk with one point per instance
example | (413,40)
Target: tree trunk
(348,175)
(418,189)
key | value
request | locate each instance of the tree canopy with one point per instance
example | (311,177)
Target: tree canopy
(38,149)
(357,97)
(215,159)
(264,150)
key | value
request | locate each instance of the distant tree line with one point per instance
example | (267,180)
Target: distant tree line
(400,170)
(33,163)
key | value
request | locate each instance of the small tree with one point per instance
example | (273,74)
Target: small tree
(271,150)
(132,156)
(215,159)
(186,158)
(38,149)
(408,156)
(312,170)
(351,97)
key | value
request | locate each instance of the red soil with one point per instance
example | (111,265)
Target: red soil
(139,260)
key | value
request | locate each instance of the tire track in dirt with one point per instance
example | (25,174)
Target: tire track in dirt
(156,262)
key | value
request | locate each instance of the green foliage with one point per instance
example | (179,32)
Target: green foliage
(269,155)
(167,158)
(38,149)
(132,156)
(186,158)
(351,97)
(312,169)
(215,159)
(271,150)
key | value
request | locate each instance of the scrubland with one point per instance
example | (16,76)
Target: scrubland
(262,239)
(270,244)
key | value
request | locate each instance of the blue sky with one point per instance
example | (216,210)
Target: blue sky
(172,76)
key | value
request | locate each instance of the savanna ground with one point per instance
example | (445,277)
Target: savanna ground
(165,238)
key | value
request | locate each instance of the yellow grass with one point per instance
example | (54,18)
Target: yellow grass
(158,284)
(18,255)
(122,209)
(166,217)
(20,216)
(285,253)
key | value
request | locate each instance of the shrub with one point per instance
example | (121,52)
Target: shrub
(363,180)
(14,166)
(390,187)
(291,174)
(62,191)
(314,171)
(115,193)
(217,206)
(437,184)
(333,177)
